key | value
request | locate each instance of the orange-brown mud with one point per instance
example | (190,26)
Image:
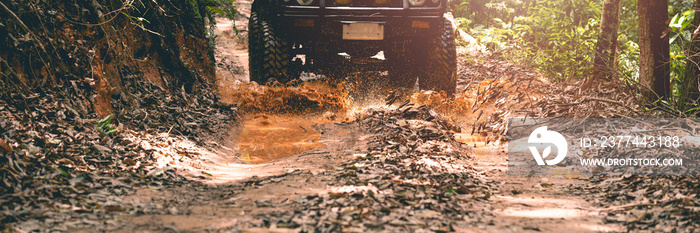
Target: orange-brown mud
(280,119)
(308,97)
(268,137)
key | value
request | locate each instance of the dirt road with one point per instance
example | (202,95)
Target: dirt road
(332,157)
(321,156)
(349,166)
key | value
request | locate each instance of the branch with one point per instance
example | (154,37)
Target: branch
(14,16)
(609,101)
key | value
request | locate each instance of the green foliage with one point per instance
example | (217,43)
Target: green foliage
(681,36)
(225,8)
(195,9)
(678,6)
(104,126)
(627,41)
(628,58)
(558,37)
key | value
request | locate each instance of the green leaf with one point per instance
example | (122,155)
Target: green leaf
(674,21)
(216,10)
(104,126)
(64,173)
(106,121)
(688,12)
(673,38)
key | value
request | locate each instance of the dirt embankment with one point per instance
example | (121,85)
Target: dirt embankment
(94,45)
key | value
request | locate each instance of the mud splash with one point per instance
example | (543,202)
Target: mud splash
(280,118)
(307,97)
(484,107)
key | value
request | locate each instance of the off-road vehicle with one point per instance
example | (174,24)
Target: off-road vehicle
(333,37)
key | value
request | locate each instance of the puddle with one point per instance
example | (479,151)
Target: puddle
(280,118)
(267,137)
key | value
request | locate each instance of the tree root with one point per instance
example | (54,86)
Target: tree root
(21,24)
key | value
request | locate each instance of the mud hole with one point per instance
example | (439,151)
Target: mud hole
(268,137)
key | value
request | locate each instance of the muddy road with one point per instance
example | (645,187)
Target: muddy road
(355,157)
(337,157)
(322,156)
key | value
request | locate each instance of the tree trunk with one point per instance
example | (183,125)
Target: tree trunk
(689,92)
(654,70)
(605,64)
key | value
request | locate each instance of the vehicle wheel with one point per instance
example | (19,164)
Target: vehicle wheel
(441,70)
(270,54)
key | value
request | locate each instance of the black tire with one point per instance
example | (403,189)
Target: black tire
(269,53)
(254,45)
(441,71)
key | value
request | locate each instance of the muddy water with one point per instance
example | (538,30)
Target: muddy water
(280,118)
(265,138)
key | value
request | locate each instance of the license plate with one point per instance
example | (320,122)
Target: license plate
(363,31)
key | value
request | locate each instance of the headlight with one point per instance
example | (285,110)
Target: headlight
(416,2)
(305,2)
(343,2)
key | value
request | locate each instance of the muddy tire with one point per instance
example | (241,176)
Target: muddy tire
(270,54)
(440,73)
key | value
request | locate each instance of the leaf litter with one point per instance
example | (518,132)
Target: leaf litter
(69,169)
